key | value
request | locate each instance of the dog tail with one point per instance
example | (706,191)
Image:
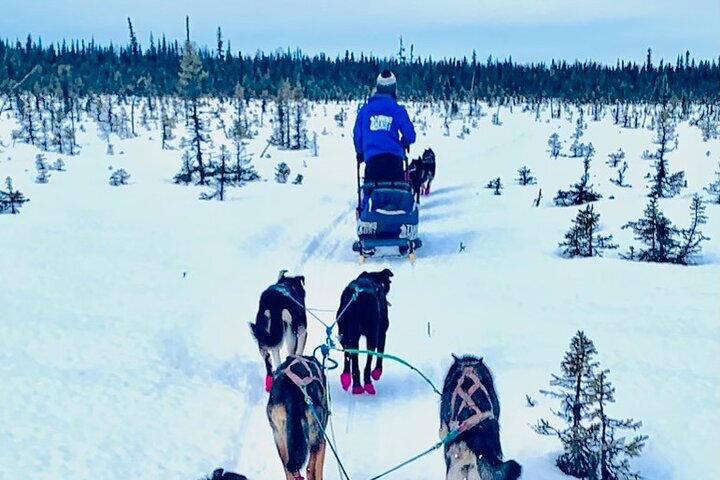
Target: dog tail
(268,331)
(297,430)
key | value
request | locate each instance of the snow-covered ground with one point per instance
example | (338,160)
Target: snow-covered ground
(125,350)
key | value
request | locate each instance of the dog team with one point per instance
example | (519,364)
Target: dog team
(298,408)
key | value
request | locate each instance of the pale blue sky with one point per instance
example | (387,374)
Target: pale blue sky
(527,30)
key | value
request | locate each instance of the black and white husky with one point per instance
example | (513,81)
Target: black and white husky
(281,319)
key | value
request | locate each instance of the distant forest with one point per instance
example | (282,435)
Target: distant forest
(80,68)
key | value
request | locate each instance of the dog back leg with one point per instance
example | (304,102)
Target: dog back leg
(301,339)
(289,337)
(367,380)
(275,351)
(377,371)
(317,462)
(278,421)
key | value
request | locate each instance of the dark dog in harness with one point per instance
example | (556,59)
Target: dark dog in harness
(470,407)
(297,431)
(281,318)
(421,173)
(363,311)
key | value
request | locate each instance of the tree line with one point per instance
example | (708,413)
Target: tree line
(79,68)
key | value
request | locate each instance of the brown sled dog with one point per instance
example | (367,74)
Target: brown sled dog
(298,432)
(469,404)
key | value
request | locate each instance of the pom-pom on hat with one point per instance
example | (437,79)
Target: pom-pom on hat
(386,82)
(386,78)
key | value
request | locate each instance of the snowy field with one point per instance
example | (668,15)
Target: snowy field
(125,350)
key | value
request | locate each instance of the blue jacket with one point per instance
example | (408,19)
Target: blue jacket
(379,125)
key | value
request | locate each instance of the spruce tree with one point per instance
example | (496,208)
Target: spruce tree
(11,200)
(573,387)
(496,186)
(581,192)
(692,237)
(615,158)
(525,177)
(554,144)
(119,177)
(282,172)
(657,233)
(190,84)
(43,169)
(612,452)
(713,189)
(582,239)
(663,184)
(620,180)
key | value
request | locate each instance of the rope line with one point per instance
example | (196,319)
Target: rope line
(309,401)
(452,435)
(391,357)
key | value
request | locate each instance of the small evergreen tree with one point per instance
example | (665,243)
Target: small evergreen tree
(620,180)
(612,452)
(664,184)
(119,177)
(573,386)
(714,188)
(692,237)
(282,172)
(495,185)
(657,233)
(219,177)
(581,192)
(577,148)
(43,169)
(581,240)
(11,200)
(615,158)
(190,84)
(59,165)
(525,177)
(167,124)
(185,175)
(298,179)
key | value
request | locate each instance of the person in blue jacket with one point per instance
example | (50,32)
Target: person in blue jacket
(383,132)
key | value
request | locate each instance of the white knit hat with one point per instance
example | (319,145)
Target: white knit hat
(386,79)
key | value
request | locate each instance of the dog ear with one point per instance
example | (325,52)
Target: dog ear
(387,272)
(455,358)
(282,273)
(302,279)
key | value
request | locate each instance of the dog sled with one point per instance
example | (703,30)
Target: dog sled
(387,216)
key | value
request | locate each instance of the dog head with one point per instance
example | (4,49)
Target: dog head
(297,281)
(428,156)
(381,278)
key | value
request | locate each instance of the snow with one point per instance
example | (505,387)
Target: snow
(124,345)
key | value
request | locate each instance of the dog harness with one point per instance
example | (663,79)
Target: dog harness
(464,397)
(313,372)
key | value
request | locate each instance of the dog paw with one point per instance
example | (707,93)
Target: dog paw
(268,382)
(376,373)
(358,390)
(345,380)
(369,389)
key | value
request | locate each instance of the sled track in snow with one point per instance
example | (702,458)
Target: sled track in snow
(322,244)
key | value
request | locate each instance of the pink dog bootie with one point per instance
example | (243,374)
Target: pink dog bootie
(369,389)
(268,382)
(376,373)
(358,390)
(345,380)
